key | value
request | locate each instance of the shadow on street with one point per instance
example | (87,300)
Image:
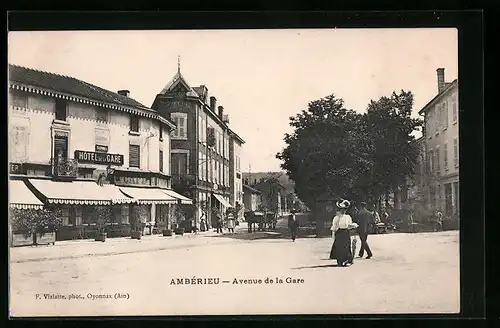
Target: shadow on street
(278,233)
(318,266)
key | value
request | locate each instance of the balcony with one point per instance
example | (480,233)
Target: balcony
(66,168)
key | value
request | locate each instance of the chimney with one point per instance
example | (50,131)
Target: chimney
(440,79)
(221,112)
(125,93)
(213,103)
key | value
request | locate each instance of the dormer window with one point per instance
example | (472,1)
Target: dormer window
(61,109)
(134,123)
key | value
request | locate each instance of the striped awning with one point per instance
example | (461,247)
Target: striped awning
(21,197)
(148,195)
(221,200)
(183,199)
(78,192)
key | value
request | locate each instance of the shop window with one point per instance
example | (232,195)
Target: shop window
(78,215)
(61,109)
(65,216)
(20,100)
(125,214)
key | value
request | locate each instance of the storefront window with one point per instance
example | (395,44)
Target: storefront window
(65,216)
(125,214)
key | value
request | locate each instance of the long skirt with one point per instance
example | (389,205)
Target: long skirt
(341,248)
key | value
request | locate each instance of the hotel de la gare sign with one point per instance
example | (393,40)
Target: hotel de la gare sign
(98,158)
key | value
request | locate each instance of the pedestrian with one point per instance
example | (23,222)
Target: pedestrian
(218,221)
(439,221)
(341,223)
(364,219)
(203,224)
(230,222)
(293,225)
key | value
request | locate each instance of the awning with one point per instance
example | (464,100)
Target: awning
(116,196)
(183,199)
(21,197)
(148,195)
(222,201)
(77,192)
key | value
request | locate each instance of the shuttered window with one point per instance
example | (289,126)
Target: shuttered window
(134,155)
(161,160)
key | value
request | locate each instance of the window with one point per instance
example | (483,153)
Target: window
(455,151)
(179,164)
(456,198)
(431,161)
(101,115)
(439,118)
(65,215)
(61,147)
(61,109)
(454,111)
(428,125)
(125,209)
(161,160)
(204,130)
(445,115)
(134,123)
(438,161)
(445,154)
(20,100)
(78,215)
(180,120)
(161,132)
(134,156)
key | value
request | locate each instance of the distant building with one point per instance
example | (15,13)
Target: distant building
(439,177)
(205,151)
(273,195)
(252,198)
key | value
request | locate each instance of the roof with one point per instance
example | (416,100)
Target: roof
(69,85)
(253,190)
(448,87)
(262,183)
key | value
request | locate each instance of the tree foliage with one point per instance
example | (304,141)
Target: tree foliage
(337,152)
(31,221)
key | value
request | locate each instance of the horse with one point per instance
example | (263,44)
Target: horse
(254,218)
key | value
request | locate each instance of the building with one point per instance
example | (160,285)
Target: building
(205,151)
(252,198)
(440,146)
(273,195)
(75,146)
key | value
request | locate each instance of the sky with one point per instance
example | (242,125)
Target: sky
(261,77)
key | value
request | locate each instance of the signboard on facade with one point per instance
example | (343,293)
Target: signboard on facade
(101,148)
(98,158)
(15,168)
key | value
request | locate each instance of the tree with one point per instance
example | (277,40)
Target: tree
(103,217)
(393,147)
(327,152)
(31,221)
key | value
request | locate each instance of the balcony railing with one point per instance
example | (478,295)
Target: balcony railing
(65,168)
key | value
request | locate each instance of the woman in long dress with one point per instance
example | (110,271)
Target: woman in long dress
(341,248)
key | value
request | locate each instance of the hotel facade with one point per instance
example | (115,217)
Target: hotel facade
(439,144)
(206,153)
(74,146)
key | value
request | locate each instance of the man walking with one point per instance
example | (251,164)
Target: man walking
(364,219)
(293,225)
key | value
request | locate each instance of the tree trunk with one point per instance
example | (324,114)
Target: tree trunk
(386,199)
(397,202)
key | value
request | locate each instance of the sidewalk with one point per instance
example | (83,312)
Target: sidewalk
(113,246)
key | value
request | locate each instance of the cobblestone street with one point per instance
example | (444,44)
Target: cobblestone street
(409,273)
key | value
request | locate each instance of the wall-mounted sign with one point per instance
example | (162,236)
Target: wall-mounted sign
(98,158)
(15,168)
(101,148)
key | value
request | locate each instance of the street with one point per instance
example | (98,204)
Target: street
(409,273)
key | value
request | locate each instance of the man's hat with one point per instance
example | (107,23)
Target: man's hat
(343,203)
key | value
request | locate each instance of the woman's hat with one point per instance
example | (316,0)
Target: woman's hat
(343,203)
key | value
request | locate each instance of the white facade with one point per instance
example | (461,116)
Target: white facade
(32,126)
